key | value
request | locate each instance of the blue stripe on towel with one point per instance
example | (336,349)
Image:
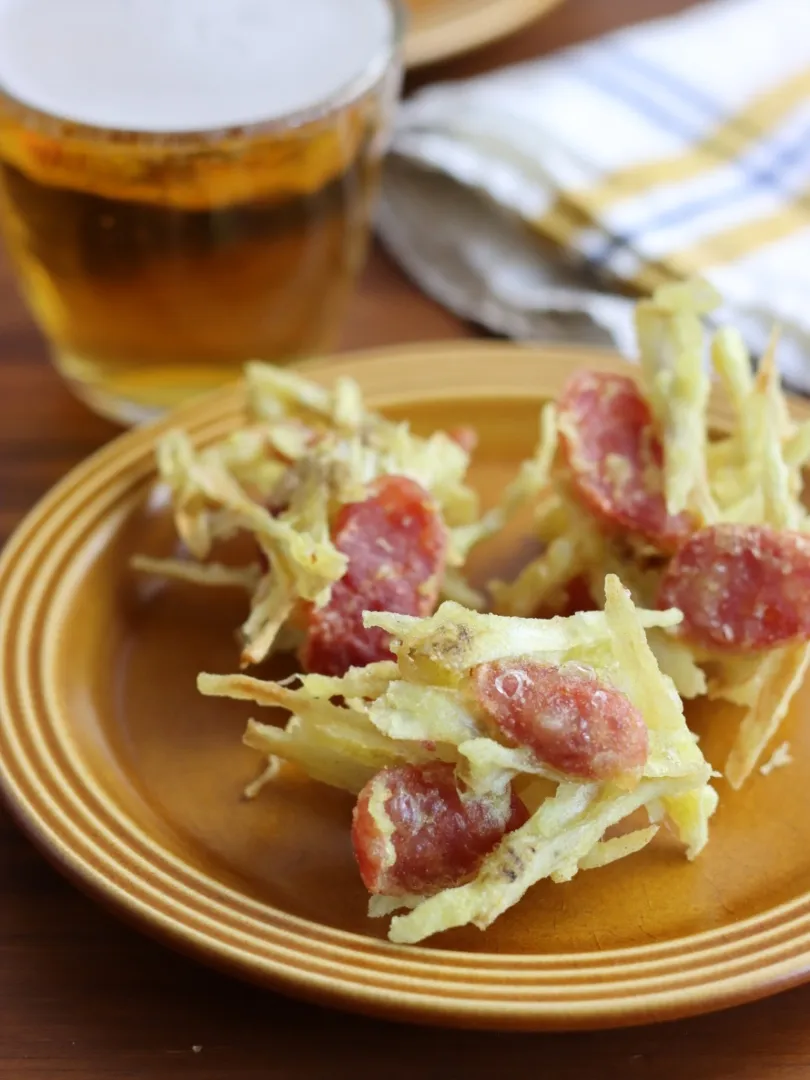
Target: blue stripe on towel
(614,83)
(620,80)
(770,178)
(662,78)
(767,176)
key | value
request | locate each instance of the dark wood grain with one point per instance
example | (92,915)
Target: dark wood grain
(84,998)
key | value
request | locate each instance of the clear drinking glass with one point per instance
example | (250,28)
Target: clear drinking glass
(168,227)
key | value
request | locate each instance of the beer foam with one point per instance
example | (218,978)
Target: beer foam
(186,65)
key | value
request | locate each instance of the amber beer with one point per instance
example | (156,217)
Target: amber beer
(187,184)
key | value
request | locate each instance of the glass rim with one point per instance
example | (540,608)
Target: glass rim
(349,92)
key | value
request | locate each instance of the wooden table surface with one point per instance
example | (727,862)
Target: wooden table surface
(84,998)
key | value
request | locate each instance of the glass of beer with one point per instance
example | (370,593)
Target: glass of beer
(188,184)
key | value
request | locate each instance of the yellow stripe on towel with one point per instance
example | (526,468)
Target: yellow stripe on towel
(574,211)
(733,243)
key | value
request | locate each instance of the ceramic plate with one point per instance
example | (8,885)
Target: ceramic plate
(442,28)
(132,783)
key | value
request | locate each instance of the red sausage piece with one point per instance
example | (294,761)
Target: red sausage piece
(466,437)
(577,597)
(396,545)
(741,587)
(615,458)
(432,837)
(566,716)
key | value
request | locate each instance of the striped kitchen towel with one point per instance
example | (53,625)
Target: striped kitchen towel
(537,200)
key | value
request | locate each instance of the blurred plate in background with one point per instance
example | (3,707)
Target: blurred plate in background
(443,28)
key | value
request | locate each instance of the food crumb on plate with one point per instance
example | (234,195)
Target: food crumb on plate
(778,759)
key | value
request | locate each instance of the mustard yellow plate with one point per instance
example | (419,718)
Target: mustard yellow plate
(132,784)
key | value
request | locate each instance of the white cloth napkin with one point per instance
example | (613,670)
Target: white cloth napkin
(531,199)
